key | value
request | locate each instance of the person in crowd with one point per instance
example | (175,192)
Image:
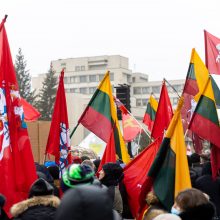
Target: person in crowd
(84,157)
(167,216)
(41,204)
(54,172)
(96,163)
(75,175)
(154,209)
(86,202)
(111,175)
(211,187)
(192,204)
(3,214)
(89,163)
(76,159)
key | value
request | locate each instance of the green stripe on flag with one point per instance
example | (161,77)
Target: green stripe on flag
(207,109)
(191,72)
(150,111)
(101,104)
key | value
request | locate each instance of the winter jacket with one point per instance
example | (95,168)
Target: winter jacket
(201,212)
(36,208)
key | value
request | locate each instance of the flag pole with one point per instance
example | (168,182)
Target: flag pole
(73,131)
(172,87)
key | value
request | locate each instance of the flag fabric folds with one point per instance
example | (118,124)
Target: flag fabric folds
(212,53)
(205,121)
(100,115)
(109,153)
(58,143)
(130,126)
(169,172)
(163,115)
(30,113)
(17,167)
(135,174)
(150,113)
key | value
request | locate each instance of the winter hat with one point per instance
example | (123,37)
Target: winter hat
(86,203)
(167,216)
(77,174)
(114,170)
(41,188)
(76,160)
(54,171)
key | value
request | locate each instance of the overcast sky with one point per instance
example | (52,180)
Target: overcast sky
(156,35)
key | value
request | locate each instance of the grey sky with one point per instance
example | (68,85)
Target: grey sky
(156,35)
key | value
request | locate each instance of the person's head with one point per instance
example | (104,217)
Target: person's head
(96,163)
(75,175)
(84,157)
(167,216)
(152,199)
(190,203)
(54,171)
(89,163)
(76,160)
(111,174)
(195,158)
(41,188)
(85,203)
(152,213)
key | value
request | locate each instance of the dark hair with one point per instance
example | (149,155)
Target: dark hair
(190,198)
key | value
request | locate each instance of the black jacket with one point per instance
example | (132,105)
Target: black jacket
(202,212)
(35,208)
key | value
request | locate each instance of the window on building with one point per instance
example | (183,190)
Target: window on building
(112,76)
(137,90)
(146,90)
(83,90)
(67,90)
(156,89)
(63,64)
(72,79)
(83,79)
(144,102)
(92,90)
(82,68)
(138,102)
(77,68)
(92,78)
(65,79)
(74,90)
(101,76)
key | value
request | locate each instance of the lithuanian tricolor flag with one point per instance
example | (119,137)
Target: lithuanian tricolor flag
(169,171)
(205,121)
(150,113)
(100,116)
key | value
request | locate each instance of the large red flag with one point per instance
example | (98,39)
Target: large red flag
(110,153)
(58,143)
(163,115)
(30,113)
(135,174)
(212,53)
(16,160)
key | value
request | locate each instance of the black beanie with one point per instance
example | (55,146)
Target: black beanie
(41,188)
(114,170)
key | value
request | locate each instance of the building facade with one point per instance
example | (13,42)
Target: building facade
(82,76)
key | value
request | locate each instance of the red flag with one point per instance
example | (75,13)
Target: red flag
(110,153)
(16,160)
(30,113)
(212,53)
(135,174)
(163,115)
(130,127)
(58,143)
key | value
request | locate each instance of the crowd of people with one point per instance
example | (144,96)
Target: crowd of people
(81,193)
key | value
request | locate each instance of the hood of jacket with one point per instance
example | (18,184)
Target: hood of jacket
(22,206)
